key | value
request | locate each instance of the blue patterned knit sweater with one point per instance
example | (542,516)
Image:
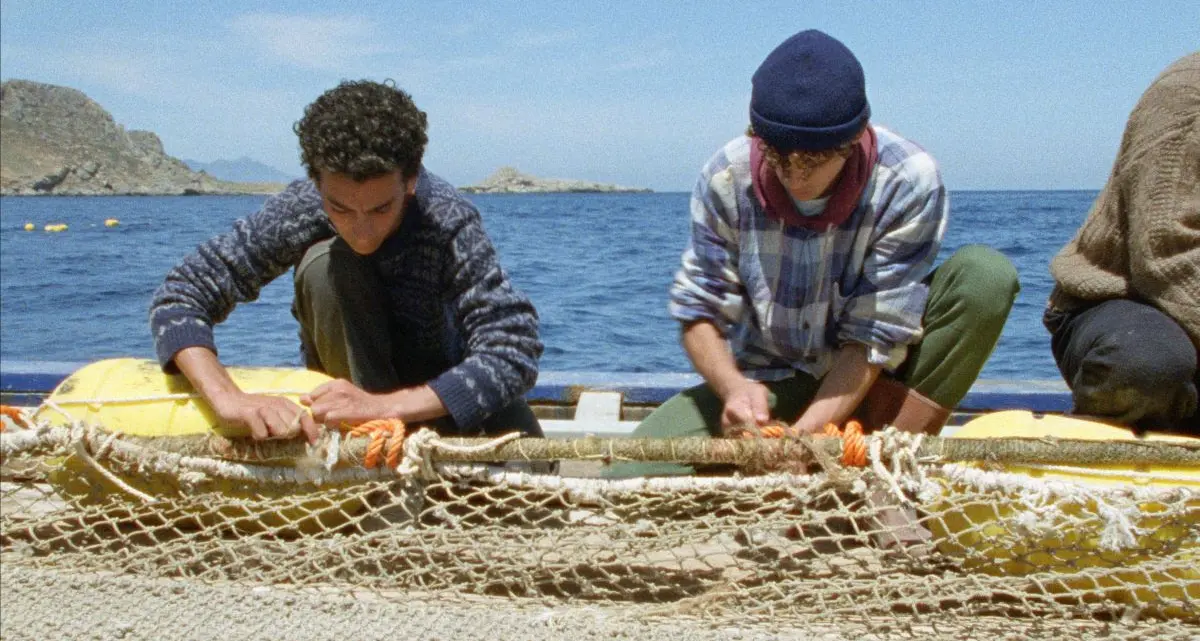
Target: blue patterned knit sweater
(467,332)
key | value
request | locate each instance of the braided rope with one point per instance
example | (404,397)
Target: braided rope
(387,438)
(854,445)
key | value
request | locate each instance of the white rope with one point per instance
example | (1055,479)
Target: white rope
(419,449)
(1114,474)
(416,459)
(82,453)
(74,438)
(320,458)
(182,396)
(96,403)
(875,455)
(1119,529)
(56,407)
(39,436)
(595,488)
(1041,502)
(79,435)
(901,449)
(1050,490)
(333,451)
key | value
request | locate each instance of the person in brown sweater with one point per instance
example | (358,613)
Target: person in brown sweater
(1124,314)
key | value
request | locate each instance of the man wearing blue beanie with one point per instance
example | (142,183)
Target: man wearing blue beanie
(808,293)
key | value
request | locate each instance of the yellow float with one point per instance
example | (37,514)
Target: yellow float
(111,222)
(55,227)
(134,397)
(29,227)
(1067,534)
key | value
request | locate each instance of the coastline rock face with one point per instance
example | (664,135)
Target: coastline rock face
(58,141)
(507,180)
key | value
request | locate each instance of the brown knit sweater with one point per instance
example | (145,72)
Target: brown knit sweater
(1141,239)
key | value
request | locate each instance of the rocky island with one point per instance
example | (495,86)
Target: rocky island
(507,180)
(58,141)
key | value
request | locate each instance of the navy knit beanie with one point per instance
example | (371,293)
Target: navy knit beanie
(809,94)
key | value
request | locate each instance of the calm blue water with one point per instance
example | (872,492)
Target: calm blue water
(596,265)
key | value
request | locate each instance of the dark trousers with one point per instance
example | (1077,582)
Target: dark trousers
(1128,362)
(346,332)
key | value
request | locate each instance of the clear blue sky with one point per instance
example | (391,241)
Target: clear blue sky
(1006,95)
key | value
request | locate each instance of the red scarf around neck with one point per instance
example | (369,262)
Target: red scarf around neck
(778,203)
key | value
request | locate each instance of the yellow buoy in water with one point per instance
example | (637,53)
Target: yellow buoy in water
(29,227)
(111,222)
(56,227)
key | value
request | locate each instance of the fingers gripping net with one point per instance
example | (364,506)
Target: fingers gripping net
(907,545)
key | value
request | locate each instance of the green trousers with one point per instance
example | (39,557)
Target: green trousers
(346,331)
(970,296)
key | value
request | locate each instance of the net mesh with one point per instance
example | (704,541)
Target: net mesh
(164,545)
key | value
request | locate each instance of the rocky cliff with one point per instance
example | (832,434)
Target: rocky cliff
(56,140)
(508,180)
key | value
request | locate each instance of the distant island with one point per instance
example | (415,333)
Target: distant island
(57,141)
(507,180)
(241,170)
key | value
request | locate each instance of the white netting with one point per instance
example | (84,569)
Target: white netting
(179,545)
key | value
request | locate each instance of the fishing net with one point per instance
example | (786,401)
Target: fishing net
(106,536)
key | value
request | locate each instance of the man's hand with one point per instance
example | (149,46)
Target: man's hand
(273,417)
(266,416)
(341,402)
(745,405)
(745,401)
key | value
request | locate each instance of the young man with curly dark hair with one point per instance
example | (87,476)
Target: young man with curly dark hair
(398,291)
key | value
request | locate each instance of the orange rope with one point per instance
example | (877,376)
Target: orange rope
(773,430)
(854,444)
(386,434)
(16,414)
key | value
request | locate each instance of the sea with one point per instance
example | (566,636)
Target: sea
(597,267)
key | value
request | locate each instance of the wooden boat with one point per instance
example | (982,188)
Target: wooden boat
(571,404)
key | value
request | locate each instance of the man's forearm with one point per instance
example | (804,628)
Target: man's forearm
(266,416)
(413,404)
(842,389)
(710,355)
(206,373)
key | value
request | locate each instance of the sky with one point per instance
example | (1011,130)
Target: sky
(1005,95)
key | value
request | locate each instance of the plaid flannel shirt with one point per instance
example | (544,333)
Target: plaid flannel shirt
(788,297)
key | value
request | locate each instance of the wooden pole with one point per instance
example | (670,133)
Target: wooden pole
(1044,451)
